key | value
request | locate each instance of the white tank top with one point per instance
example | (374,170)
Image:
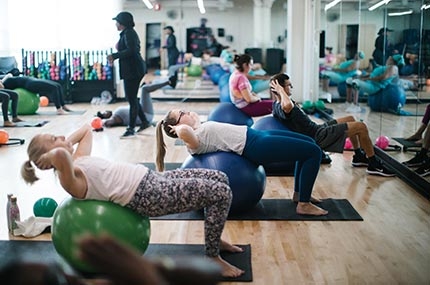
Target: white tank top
(215,136)
(110,181)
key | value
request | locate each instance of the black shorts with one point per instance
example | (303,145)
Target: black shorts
(331,136)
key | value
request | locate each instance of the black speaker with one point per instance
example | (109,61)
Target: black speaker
(274,60)
(256,54)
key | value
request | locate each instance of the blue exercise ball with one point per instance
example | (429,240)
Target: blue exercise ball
(260,85)
(216,75)
(276,168)
(223,80)
(224,94)
(390,99)
(228,113)
(247,180)
(28,102)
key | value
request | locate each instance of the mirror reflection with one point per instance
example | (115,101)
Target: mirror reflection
(390,43)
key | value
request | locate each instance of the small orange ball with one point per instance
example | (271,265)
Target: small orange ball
(44,101)
(4,137)
(97,123)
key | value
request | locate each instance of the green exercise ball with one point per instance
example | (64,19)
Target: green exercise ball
(194,70)
(28,102)
(44,207)
(320,105)
(75,218)
(307,104)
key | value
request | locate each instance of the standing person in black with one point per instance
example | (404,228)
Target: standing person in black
(383,48)
(132,68)
(172,50)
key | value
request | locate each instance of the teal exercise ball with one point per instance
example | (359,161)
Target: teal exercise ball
(44,207)
(28,102)
(194,70)
(75,218)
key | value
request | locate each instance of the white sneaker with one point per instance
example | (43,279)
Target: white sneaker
(353,109)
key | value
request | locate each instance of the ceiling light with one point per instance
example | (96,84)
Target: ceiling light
(201,6)
(148,4)
(425,6)
(331,4)
(380,3)
(401,13)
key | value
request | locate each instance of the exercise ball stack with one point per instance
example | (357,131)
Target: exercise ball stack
(247,180)
(75,218)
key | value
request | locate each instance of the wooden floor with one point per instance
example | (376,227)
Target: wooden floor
(391,245)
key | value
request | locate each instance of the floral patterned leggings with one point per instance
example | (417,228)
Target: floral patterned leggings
(183,190)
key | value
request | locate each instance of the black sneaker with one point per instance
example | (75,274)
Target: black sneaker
(416,161)
(325,159)
(173,80)
(380,170)
(128,134)
(424,170)
(144,126)
(360,160)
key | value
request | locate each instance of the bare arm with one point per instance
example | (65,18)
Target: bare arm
(286,103)
(71,178)
(83,137)
(186,133)
(249,97)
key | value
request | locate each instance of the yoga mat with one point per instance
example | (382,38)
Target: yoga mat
(44,252)
(281,210)
(31,124)
(167,165)
(408,144)
(54,113)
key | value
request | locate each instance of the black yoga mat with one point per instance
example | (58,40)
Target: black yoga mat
(281,210)
(31,123)
(44,252)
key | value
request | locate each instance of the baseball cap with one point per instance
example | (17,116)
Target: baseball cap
(125,19)
(382,30)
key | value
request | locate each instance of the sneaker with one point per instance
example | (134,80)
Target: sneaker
(128,134)
(353,109)
(416,161)
(60,112)
(8,124)
(380,170)
(424,170)
(325,159)
(144,126)
(360,160)
(173,80)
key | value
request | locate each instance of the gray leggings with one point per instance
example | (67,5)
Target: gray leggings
(183,190)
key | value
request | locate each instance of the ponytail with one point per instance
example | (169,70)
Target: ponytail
(28,173)
(161,146)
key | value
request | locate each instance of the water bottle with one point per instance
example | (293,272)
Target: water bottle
(9,225)
(14,215)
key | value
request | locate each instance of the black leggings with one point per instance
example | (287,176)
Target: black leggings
(131,88)
(5,96)
(49,88)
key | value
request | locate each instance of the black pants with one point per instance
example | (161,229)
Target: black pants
(131,88)
(5,96)
(49,88)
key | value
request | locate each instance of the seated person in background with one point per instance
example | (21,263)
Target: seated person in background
(380,77)
(346,69)
(241,93)
(6,96)
(44,87)
(260,147)
(417,136)
(421,159)
(329,136)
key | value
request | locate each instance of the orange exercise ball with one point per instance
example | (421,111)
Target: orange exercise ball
(44,101)
(97,123)
(4,137)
